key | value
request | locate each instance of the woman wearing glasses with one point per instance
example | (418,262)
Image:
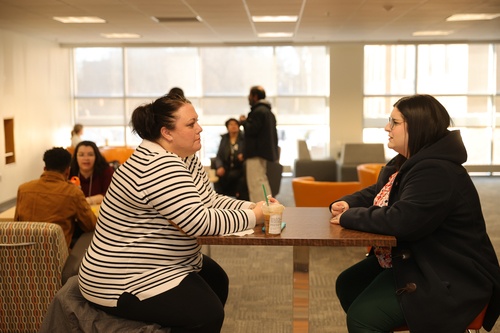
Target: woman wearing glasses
(444,270)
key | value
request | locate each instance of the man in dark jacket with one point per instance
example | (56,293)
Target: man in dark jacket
(261,142)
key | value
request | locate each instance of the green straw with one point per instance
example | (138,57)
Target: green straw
(265,194)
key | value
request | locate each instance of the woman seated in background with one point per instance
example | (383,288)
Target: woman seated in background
(144,262)
(93,171)
(229,163)
(444,270)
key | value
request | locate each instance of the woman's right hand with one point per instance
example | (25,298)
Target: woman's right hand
(337,209)
(257,210)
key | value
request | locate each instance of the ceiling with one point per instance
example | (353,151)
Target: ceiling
(229,21)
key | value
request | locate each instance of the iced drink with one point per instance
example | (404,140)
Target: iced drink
(273,216)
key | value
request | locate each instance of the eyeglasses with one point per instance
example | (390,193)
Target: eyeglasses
(394,122)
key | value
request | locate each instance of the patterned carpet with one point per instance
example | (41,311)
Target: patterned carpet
(260,297)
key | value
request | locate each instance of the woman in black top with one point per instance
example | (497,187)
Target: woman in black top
(229,165)
(444,269)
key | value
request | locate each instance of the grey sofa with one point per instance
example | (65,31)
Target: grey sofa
(321,170)
(354,154)
(70,312)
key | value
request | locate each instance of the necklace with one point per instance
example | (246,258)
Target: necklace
(90,185)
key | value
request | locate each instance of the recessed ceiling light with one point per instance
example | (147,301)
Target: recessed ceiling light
(79,19)
(282,18)
(275,34)
(473,17)
(120,35)
(159,19)
(433,33)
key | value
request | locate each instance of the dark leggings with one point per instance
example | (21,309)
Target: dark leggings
(367,293)
(195,305)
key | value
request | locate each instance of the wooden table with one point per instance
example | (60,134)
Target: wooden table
(8,215)
(304,227)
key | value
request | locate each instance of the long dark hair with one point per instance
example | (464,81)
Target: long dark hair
(426,119)
(100,163)
(148,119)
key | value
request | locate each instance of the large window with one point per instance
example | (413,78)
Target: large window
(463,77)
(111,82)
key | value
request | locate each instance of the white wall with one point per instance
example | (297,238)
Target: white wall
(346,95)
(35,92)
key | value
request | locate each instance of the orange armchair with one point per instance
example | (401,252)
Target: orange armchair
(71,150)
(308,192)
(119,154)
(368,173)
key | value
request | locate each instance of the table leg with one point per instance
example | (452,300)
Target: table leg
(300,289)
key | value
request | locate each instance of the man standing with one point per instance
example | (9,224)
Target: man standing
(261,143)
(53,199)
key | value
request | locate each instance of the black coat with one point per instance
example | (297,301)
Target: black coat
(261,135)
(444,263)
(233,182)
(223,158)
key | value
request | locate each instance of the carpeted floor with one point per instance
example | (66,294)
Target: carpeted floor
(260,298)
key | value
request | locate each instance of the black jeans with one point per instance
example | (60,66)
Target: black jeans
(367,293)
(195,305)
